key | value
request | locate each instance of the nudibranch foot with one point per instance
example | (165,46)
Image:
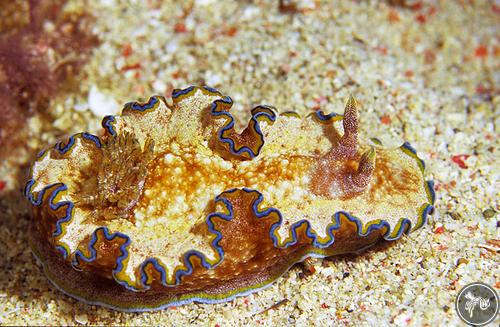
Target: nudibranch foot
(243,262)
(172,205)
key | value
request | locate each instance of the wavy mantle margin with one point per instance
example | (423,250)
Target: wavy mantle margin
(53,192)
(57,189)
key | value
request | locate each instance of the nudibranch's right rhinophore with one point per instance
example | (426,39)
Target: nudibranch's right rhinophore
(174,204)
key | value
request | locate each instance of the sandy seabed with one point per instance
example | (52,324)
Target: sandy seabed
(427,73)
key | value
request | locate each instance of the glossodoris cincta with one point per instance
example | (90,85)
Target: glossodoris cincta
(173,204)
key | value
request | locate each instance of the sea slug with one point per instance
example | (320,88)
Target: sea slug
(173,204)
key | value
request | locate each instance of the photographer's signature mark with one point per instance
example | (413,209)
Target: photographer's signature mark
(470,305)
(477,304)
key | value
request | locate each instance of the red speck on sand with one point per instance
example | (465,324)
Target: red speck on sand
(495,8)
(386,120)
(180,28)
(393,16)
(231,31)
(481,51)
(459,159)
(439,230)
(131,67)
(127,50)
(442,247)
(416,6)
(381,49)
(421,18)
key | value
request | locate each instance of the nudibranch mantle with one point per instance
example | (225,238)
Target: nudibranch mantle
(173,204)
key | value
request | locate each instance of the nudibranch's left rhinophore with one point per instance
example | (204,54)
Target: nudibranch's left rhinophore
(174,204)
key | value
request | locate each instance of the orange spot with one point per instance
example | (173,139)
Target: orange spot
(393,16)
(496,51)
(385,119)
(481,51)
(131,67)
(127,50)
(381,49)
(409,73)
(325,306)
(439,230)
(231,31)
(180,28)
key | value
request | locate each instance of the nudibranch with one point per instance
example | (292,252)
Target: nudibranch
(174,204)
